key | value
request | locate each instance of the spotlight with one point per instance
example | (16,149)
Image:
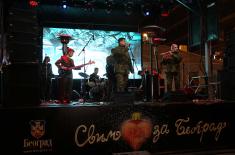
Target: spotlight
(64,4)
(128,7)
(109,5)
(146,9)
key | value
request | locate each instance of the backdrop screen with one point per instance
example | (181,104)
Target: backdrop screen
(97,49)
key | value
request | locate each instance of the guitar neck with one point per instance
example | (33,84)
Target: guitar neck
(76,67)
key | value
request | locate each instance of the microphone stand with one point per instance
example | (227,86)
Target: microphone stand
(134,65)
(155,53)
(84,69)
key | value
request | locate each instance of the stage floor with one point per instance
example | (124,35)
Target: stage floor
(55,103)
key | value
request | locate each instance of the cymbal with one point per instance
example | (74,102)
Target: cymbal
(83,75)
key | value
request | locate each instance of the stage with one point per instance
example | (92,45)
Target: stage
(119,128)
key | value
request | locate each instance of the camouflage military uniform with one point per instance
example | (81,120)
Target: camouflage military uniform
(122,67)
(172,70)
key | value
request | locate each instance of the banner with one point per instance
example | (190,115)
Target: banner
(124,129)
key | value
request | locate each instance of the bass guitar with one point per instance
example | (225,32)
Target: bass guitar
(63,69)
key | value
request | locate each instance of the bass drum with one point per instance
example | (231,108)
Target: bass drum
(99,91)
(103,83)
(91,84)
(96,93)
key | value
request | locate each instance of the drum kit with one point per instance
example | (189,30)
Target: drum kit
(97,89)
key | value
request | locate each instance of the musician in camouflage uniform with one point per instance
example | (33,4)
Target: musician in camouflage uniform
(122,65)
(171,60)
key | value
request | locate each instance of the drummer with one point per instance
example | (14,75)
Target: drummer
(94,77)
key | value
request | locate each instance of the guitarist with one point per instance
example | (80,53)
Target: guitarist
(65,65)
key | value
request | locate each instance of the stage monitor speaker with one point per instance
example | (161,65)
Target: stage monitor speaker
(21,85)
(177,96)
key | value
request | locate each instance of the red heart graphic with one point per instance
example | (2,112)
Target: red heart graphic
(136,132)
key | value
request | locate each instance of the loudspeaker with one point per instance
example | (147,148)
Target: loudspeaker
(229,54)
(24,38)
(227,85)
(22,20)
(23,35)
(21,85)
(19,26)
(23,52)
(230,39)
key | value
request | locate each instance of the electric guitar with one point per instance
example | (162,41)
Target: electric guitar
(63,70)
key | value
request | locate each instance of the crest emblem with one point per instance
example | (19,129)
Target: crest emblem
(37,128)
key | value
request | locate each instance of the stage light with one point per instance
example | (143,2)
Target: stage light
(89,5)
(164,10)
(33,3)
(146,9)
(109,5)
(145,37)
(165,13)
(128,7)
(64,4)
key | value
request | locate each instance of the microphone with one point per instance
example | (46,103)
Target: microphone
(93,37)
(128,44)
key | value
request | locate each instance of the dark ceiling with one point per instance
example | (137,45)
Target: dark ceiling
(126,14)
